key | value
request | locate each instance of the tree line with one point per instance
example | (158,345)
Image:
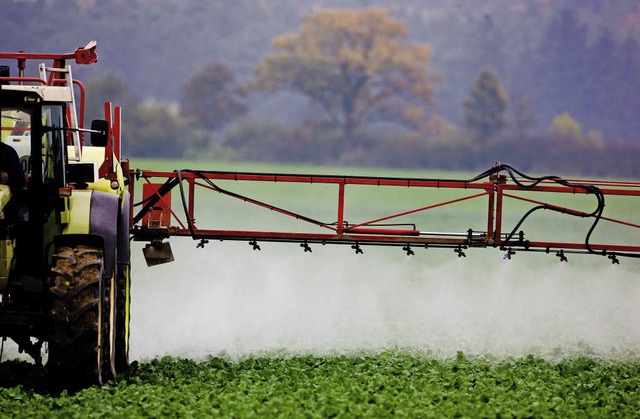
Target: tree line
(560,88)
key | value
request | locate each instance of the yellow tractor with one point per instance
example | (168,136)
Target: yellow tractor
(64,223)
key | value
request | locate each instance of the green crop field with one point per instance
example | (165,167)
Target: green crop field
(392,383)
(227,331)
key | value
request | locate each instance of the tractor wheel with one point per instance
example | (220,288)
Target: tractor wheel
(123,304)
(82,318)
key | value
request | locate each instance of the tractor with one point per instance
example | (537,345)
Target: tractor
(64,235)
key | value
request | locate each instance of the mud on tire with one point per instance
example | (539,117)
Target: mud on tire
(80,315)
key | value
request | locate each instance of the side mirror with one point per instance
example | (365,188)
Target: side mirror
(99,132)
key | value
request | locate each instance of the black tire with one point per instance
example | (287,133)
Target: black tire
(82,318)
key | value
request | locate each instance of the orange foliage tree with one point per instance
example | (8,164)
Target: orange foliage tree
(359,66)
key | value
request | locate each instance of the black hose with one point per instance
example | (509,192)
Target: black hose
(590,189)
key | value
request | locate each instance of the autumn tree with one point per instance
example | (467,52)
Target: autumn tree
(212,98)
(358,66)
(485,109)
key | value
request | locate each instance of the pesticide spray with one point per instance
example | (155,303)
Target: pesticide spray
(230,301)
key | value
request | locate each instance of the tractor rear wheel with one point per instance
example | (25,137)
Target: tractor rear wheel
(82,315)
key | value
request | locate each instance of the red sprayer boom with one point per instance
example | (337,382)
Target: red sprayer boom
(156,219)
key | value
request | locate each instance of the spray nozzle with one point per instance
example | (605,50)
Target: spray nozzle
(460,252)
(407,249)
(507,256)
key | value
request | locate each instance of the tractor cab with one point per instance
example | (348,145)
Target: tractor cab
(38,121)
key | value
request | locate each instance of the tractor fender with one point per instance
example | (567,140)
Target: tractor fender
(103,221)
(94,213)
